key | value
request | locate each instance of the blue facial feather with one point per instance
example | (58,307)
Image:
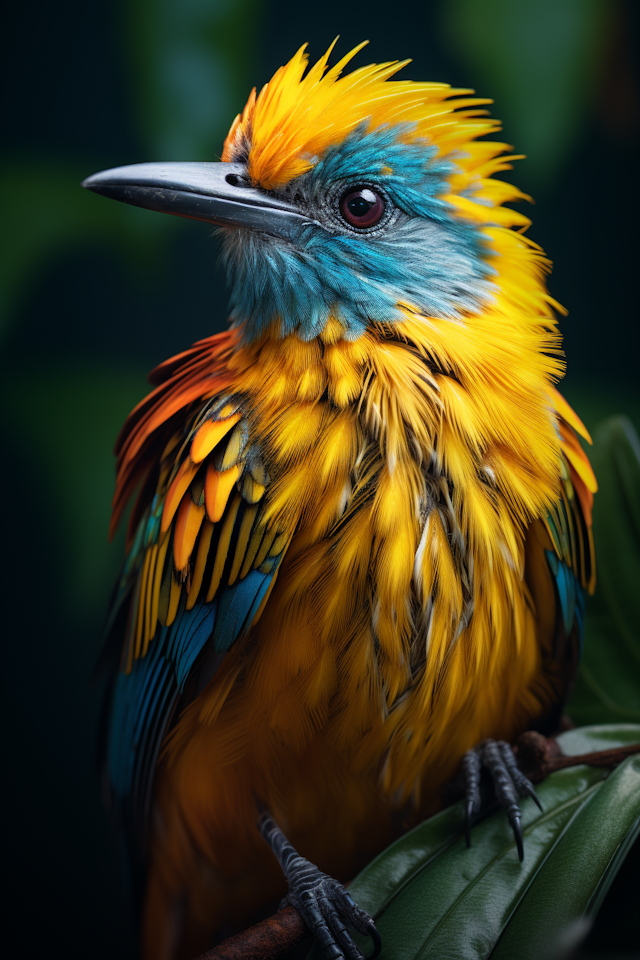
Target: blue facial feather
(424,254)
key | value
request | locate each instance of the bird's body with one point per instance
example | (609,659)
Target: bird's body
(364,523)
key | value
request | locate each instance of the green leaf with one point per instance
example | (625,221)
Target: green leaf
(431,897)
(607,687)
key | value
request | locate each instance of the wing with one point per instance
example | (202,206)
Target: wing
(560,560)
(200,563)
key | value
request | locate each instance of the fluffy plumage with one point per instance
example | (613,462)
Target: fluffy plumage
(363,531)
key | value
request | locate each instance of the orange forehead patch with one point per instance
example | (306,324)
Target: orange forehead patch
(296,116)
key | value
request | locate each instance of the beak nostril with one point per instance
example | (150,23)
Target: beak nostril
(233,180)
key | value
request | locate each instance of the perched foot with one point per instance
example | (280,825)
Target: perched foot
(509,784)
(323,903)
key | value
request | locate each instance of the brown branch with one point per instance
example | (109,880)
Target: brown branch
(265,941)
(538,756)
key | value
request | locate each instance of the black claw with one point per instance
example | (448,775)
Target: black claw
(471,769)
(536,799)
(467,822)
(517,832)
(522,784)
(509,783)
(377,941)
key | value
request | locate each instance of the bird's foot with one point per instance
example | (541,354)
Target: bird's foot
(509,784)
(323,903)
(326,907)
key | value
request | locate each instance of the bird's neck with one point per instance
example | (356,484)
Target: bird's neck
(278,370)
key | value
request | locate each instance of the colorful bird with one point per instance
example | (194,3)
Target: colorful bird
(362,534)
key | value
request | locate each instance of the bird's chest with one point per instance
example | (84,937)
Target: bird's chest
(376,528)
(375,613)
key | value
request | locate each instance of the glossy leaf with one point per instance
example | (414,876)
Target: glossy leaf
(607,689)
(431,897)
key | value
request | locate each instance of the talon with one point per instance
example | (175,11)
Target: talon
(377,941)
(467,822)
(517,832)
(536,799)
(509,783)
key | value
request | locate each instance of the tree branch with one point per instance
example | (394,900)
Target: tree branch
(539,756)
(265,941)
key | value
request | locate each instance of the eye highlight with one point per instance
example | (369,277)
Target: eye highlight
(362,207)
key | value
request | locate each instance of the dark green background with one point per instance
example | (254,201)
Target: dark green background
(94,294)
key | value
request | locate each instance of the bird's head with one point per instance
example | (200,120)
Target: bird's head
(354,197)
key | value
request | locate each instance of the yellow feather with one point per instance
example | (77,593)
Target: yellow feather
(148,592)
(265,599)
(142,603)
(186,529)
(223,547)
(224,482)
(234,448)
(174,599)
(265,546)
(345,376)
(251,491)
(252,550)
(176,491)
(209,435)
(155,600)
(200,564)
(279,544)
(333,331)
(582,467)
(242,543)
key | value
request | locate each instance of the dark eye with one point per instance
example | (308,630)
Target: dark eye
(362,207)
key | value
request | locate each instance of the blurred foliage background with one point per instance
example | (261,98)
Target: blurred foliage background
(95,293)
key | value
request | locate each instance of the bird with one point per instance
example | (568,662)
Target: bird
(360,540)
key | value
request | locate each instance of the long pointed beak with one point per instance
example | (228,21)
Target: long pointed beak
(215,192)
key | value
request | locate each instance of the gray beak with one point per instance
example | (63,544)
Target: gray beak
(215,192)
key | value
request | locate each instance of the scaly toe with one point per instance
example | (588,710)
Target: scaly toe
(509,784)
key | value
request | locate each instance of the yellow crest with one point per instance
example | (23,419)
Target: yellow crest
(295,117)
